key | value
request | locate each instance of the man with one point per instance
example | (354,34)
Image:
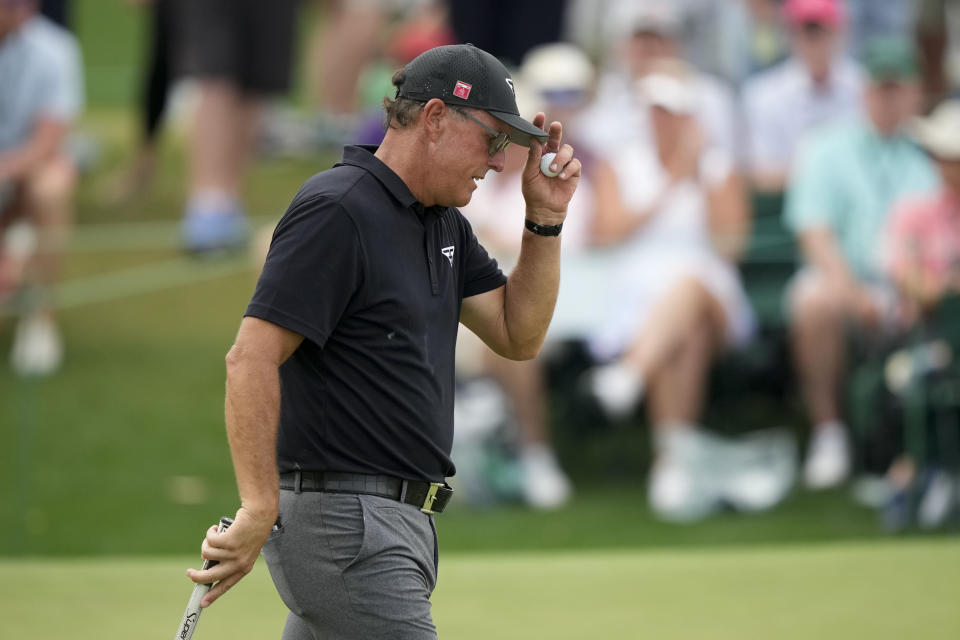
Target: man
(816,86)
(41,94)
(239,53)
(348,344)
(846,179)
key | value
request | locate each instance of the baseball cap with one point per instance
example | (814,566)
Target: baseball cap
(826,12)
(939,133)
(889,58)
(463,75)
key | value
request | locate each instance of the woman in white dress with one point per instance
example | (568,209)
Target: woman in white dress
(683,224)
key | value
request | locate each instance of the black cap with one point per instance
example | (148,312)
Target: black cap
(465,76)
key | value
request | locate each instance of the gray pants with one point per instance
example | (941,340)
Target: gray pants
(353,567)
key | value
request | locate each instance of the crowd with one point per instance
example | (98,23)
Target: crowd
(680,111)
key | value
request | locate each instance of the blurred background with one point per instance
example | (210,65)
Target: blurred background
(757,336)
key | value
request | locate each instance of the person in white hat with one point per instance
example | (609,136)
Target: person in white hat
(923,253)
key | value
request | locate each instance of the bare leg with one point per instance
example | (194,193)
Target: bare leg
(346,41)
(677,390)
(218,136)
(687,307)
(817,339)
(524,384)
(49,207)
(817,336)
(545,485)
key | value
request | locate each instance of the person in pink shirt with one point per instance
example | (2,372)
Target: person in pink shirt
(923,252)
(922,255)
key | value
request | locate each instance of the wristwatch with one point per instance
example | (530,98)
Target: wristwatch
(543,229)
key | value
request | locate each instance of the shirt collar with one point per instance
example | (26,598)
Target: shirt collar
(362,155)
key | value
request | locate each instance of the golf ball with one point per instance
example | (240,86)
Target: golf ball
(545,165)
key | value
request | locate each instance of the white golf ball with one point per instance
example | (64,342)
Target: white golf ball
(545,161)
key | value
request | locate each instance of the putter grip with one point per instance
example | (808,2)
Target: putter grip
(188,624)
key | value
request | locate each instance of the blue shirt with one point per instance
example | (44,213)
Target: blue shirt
(846,179)
(40,76)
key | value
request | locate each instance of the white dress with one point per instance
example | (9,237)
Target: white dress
(675,243)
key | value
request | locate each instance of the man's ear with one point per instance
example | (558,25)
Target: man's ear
(432,118)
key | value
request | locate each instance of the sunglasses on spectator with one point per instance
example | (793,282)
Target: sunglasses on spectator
(499,140)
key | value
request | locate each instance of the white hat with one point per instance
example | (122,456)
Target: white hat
(559,66)
(939,133)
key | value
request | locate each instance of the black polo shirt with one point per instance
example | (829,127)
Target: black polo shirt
(374,282)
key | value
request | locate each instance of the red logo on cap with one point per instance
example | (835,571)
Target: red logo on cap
(462,90)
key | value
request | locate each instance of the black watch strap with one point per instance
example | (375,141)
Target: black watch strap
(543,229)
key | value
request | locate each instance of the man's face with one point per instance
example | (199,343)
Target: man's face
(814,44)
(464,157)
(891,103)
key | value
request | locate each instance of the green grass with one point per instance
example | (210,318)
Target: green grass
(877,591)
(92,458)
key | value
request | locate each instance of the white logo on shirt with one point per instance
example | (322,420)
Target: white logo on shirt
(448,251)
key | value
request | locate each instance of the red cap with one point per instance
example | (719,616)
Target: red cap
(826,12)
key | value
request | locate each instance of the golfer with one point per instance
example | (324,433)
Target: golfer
(339,402)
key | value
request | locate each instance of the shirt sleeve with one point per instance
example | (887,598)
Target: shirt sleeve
(766,147)
(481,272)
(61,90)
(812,198)
(313,270)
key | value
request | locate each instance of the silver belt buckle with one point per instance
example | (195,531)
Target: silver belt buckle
(427,507)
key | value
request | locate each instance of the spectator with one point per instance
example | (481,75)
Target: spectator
(924,239)
(844,183)
(641,35)
(924,262)
(819,84)
(680,300)
(42,93)
(239,53)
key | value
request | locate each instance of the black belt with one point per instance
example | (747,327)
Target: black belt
(429,497)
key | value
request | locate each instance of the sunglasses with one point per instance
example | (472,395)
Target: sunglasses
(499,140)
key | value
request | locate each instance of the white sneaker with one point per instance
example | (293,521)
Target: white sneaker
(761,469)
(937,501)
(617,389)
(828,458)
(37,346)
(545,485)
(681,486)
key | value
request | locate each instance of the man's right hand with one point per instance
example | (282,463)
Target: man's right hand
(236,551)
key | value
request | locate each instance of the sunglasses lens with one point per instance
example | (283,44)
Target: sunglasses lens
(499,143)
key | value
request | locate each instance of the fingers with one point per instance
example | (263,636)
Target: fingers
(565,163)
(222,587)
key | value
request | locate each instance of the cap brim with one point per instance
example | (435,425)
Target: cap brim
(941,143)
(521,131)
